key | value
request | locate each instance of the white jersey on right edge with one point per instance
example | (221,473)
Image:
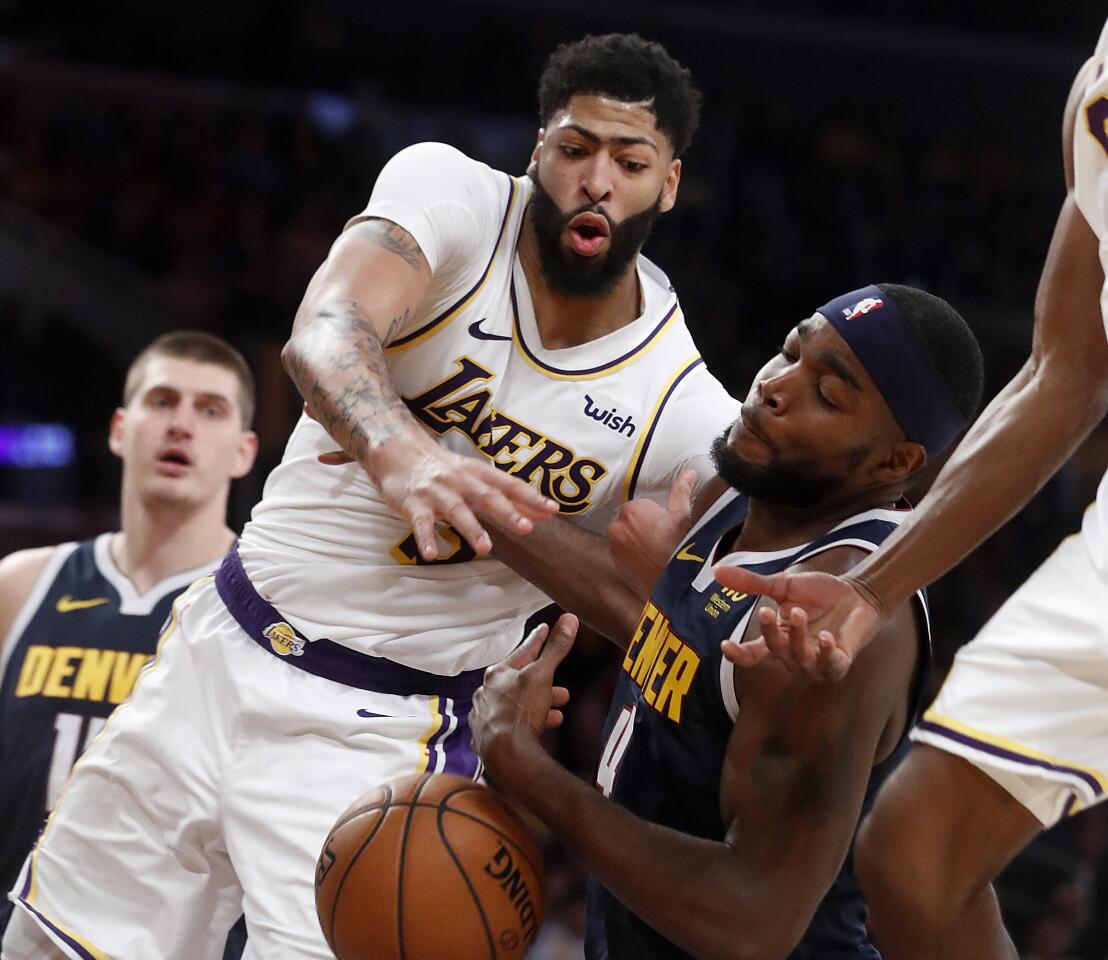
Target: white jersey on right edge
(1090,155)
(588,425)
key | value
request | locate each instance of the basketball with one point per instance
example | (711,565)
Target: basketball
(429,867)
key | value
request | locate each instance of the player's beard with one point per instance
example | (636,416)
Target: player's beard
(569,273)
(784,482)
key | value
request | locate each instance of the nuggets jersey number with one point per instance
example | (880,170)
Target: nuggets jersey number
(589,426)
(71,657)
(674,710)
(1090,156)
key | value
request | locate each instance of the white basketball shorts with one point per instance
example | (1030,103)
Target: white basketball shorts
(1027,700)
(211,790)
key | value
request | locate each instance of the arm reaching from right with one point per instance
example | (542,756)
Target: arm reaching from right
(373,278)
(1016,445)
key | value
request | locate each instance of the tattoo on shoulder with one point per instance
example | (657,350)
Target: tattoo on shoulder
(395,239)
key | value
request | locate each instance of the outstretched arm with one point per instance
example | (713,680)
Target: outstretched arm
(605,582)
(374,277)
(1016,445)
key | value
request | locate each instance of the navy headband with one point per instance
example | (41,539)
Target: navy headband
(894,357)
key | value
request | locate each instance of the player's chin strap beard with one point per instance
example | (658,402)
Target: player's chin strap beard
(582,277)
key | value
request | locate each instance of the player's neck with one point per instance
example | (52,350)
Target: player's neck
(159,540)
(570,321)
(775,526)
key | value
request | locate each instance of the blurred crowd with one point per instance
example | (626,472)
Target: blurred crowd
(227,204)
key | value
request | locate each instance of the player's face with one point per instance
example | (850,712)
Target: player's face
(603,173)
(180,437)
(814,427)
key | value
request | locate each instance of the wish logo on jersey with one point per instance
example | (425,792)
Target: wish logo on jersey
(660,663)
(462,403)
(603,411)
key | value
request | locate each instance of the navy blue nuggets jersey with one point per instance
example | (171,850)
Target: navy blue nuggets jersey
(71,657)
(674,710)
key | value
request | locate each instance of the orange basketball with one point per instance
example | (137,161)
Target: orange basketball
(429,867)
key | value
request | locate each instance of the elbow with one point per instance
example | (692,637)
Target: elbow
(291,356)
(748,944)
(1078,379)
(747,936)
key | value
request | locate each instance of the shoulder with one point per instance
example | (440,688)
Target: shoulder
(440,172)
(19,572)
(452,206)
(1069,118)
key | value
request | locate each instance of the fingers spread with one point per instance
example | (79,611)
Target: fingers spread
(500,510)
(561,641)
(526,498)
(423,529)
(528,651)
(462,519)
(745,581)
(746,654)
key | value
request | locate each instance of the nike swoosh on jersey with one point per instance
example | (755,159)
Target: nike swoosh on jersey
(67,604)
(369,715)
(477,333)
(685,553)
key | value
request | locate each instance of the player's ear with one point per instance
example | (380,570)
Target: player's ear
(533,165)
(115,431)
(902,460)
(244,458)
(669,187)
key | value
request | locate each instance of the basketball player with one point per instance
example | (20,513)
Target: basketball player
(737,795)
(79,620)
(479,344)
(1018,737)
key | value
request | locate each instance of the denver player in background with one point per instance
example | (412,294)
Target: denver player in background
(79,620)
(736,795)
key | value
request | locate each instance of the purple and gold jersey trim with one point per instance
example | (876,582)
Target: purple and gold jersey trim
(74,945)
(600,369)
(647,435)
(1012,751)
(325,658)
(417,336)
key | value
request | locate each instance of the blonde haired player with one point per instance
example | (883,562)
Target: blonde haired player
(1018,736)
(78,620)
(481,345)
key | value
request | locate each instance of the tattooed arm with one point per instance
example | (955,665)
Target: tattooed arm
(374,277)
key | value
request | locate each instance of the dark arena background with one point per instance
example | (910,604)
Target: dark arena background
(188,165)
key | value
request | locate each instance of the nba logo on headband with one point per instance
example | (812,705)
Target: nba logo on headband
(897,362)
(862,307)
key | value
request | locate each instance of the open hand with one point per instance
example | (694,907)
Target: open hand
(425,483)
(820,624)
(518,699)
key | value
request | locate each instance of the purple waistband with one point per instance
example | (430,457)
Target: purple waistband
(323,657)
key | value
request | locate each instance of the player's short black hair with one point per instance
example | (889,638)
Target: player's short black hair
(947,340)
(200,347)
(628,68)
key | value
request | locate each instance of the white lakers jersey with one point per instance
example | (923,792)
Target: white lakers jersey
(590,426)
(1090,155)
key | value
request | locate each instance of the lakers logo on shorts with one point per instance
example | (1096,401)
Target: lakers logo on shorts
(283,639)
